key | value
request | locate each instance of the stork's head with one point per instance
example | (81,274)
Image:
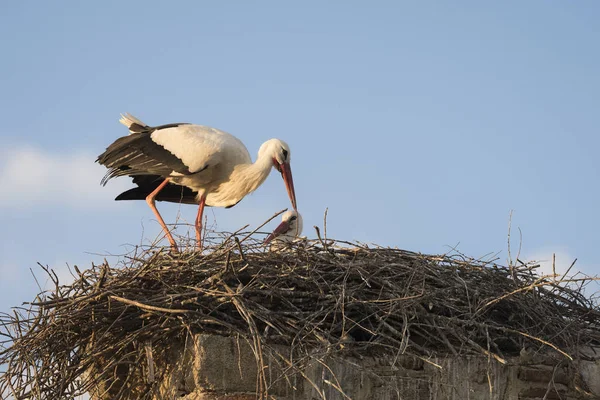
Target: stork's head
(280,155)
(289,228)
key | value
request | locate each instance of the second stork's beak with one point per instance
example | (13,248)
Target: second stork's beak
(282,228)
(286,173)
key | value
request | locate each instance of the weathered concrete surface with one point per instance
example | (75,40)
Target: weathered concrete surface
(224,368)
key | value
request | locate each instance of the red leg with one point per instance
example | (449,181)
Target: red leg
(199,221)
(150,200)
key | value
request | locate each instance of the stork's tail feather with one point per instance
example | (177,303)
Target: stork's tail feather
(171,193)
(132,123)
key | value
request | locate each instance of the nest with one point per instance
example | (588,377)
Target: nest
(343,299)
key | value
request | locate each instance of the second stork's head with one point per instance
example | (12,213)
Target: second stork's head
(280,155)
(289,228)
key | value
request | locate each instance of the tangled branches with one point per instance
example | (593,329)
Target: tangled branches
(334,296)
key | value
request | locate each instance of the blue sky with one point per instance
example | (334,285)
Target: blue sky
(418,124)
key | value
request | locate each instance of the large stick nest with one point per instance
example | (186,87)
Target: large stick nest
(341,298)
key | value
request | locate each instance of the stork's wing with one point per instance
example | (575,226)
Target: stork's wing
(200,147)
(138,154)
(174,149)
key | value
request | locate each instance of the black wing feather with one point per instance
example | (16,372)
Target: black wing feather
(138,154)
(146,184)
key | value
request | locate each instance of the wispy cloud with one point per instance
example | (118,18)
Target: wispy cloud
(563,259)
(30,176)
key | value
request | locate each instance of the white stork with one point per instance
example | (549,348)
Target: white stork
(191,164)
(286,232)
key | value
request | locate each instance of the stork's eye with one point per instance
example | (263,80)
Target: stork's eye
(285,153)
(293,218)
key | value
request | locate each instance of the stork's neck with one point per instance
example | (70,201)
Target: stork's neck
(253,175)
(261,169)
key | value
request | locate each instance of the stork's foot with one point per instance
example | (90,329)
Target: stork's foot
(174,249)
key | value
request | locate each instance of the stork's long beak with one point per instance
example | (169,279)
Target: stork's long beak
(286,173)
(282,228)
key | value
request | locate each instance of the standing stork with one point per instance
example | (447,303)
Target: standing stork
(186,163)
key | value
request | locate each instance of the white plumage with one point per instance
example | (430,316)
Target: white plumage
(197,146)
(191,164)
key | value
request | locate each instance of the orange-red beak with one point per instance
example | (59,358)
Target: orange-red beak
(282,228)
(286,173)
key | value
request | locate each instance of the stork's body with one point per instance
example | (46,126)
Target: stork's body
(286,232)
(191,164)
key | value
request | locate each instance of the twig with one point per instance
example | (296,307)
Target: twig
(148,307)
(325,223)
(263,224)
